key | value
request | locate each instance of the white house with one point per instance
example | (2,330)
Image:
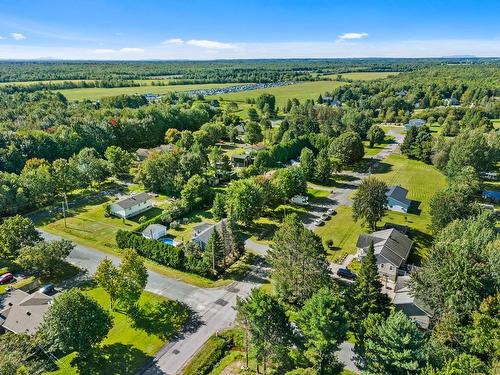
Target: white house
(154,231)
(391,248)
(131,206)
(203,232)
(396,199)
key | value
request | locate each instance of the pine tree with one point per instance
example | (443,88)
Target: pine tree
(366,298)
(320,99)
(214,252)
(219,207)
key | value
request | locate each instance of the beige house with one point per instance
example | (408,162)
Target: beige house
(131,206)
(23,312)
(391,248)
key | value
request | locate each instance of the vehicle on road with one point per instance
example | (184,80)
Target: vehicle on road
(6,278)
(346,274)
(318,222)
(47,289)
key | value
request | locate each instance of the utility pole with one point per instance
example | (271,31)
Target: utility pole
(64,214)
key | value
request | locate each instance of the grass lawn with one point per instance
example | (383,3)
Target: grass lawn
(317,193)
(372,151)
(131,342)
(301,91)
(363,76)
(94,93)
(420,179)
(496,123)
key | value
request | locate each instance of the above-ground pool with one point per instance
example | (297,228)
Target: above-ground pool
(167,240)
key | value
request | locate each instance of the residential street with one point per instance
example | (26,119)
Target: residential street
(214,307)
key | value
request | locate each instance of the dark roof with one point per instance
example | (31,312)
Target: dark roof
(240,157)
(491,194)
(133,200)
(399,194)
(202,232)
(390,245)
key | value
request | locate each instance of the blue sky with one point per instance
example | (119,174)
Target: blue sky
(194,29)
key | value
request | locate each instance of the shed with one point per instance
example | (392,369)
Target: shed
(396,199)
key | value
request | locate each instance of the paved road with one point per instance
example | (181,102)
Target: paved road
(214,307)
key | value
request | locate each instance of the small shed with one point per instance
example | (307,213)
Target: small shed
(154,231)
(396,199)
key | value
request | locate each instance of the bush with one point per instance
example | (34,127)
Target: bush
(207,358)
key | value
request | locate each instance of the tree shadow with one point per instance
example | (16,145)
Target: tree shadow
(112,359)
(381,168)
(163,319)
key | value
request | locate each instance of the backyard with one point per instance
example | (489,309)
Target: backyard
(132,341)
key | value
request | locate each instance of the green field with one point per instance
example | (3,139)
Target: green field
(420,179)
(496,123)
(363,76)
(97,93)
(131,342)
(301,91)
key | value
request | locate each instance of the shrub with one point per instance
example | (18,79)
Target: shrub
(212,352)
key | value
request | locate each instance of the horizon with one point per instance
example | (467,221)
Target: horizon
(200,31)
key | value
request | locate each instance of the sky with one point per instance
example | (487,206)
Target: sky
(234,29)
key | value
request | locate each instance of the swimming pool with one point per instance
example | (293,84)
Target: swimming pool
(167,240)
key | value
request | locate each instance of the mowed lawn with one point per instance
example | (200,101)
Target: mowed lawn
(420,179)
(301,91)
(129,345)
(94,93)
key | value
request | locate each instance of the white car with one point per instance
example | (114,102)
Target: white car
(318,222)
(325,217)
(331,211)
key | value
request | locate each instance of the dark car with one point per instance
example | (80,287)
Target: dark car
(6,278)
(346,274)
(47,289)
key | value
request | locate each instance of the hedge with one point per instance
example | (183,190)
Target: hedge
(210,354)
(157,251)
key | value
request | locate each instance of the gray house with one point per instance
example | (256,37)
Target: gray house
(413,308)
(203,232)
(396,199)
(391,248)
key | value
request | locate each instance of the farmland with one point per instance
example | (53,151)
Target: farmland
(363,76)
(301,91)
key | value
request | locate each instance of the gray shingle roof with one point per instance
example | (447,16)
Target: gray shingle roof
(154,228)
(390,245)
(399,194)
(202,232)
(133,200)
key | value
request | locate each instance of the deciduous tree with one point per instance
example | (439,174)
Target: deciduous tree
(370,201)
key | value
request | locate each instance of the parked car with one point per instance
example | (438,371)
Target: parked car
(300,200)
(346,274)
(47,289)
(6,278)
(318,222)
(325,217)
(331,211)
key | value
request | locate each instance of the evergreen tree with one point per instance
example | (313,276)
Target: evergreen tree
(320,99)
(393,345)
(219,207)
(299,262)
(307,162)
(214,252)
(366,298)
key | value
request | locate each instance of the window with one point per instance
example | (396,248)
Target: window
(381,266)
(390,267)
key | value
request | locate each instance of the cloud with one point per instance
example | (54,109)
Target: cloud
(346,36)
(1,37)
(17,36)
(174,41)
(103,50)
(132,50)
(210,44)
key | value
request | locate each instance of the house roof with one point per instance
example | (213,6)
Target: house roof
(405,301)
(133,200)
(24,312)
(202,232)
(154,228)
(240,157)
(390,245)
(415,122)
(399,194)
(145,152)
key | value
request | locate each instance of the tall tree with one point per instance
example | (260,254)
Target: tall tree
(290,182)
(219,206)
(348,148)
(214,252)
(370,201)
(245,200)
(45,258)
(393,345)
(74,322)
(134,277)
(323,322)
(15,233)
(375,135)
(107,276)
(365,298)
(307,162)
(269,327)
(253,133)
(456,275)
(299,261)
(119,160)
(323,168)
